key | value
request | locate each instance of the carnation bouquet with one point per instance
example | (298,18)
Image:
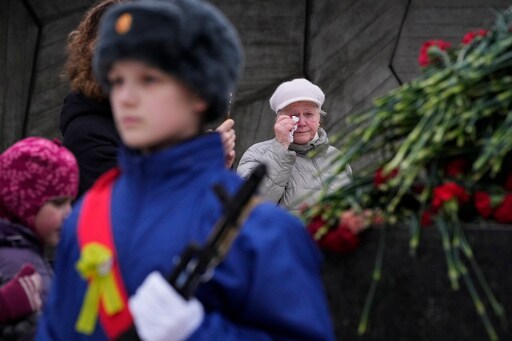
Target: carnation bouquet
(444,143)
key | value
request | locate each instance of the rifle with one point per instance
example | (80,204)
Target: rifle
(197,263)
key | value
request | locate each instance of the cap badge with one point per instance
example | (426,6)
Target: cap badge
(123,23)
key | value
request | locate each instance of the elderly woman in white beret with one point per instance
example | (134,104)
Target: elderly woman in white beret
(295,176)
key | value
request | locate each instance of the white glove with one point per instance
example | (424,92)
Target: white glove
(295,120)
(160,313)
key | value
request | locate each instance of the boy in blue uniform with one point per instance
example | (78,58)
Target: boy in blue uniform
(169,67)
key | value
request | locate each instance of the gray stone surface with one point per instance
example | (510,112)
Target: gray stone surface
(414,299)
(433,20)
(49,10)
(18,36)
(272,33)
(49,86)
(353,49)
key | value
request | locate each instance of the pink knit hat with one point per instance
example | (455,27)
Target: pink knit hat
(32,171)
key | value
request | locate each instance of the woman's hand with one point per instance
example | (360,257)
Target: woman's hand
(228,136)
(283,128)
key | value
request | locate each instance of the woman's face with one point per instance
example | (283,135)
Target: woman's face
(309,120)
(152,110)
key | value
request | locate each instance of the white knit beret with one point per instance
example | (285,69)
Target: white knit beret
(296,90)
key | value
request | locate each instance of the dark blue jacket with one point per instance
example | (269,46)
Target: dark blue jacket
(269,286)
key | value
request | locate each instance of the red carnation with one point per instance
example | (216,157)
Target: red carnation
(468,37)
(483,204)
(355,222)
(340,240)
(456,167)
(503,213)
(447,192)
(380,178)
(315,224)
(424,58)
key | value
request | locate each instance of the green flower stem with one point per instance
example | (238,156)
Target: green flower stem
(496,306)
(495,148)
(432,80)
(479,306)
(376,276)
(415,229)
(416,139)
(405,185)
(453,274)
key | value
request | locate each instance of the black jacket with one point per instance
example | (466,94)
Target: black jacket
(88,129)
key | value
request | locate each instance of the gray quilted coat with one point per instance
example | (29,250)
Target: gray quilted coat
(294,175)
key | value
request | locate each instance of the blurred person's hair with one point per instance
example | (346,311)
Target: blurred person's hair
(80,50)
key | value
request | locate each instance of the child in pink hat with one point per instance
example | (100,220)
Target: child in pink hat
(38,180)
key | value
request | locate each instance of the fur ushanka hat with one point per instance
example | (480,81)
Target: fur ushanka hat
(189,39)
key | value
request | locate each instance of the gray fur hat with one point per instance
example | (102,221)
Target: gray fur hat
(189,39)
